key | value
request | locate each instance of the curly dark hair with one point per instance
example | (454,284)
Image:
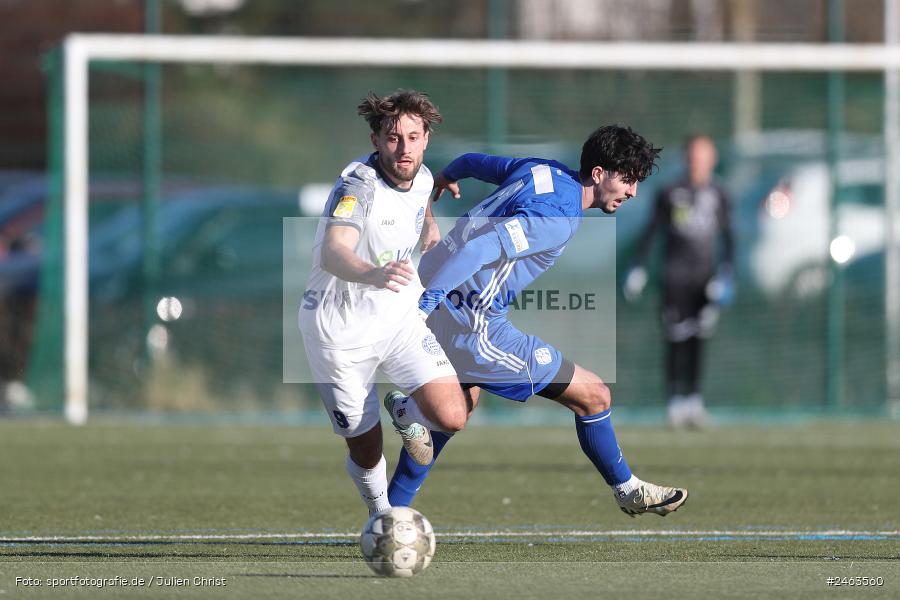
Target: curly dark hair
(619,149)
(383,112)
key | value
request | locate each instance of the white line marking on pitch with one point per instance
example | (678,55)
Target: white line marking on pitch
(835,533)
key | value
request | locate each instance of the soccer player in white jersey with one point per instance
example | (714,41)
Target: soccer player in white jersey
(359,311)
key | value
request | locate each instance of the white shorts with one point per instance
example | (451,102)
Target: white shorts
(346,377)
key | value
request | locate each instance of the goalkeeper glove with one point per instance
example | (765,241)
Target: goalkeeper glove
(720,289)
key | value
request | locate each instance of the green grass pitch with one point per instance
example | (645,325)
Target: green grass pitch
(519,513)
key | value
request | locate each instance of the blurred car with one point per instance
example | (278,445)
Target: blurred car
(22,203)
(207,230)
(793,248)
(219,253)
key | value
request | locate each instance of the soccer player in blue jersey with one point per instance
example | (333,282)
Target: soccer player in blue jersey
(494,252)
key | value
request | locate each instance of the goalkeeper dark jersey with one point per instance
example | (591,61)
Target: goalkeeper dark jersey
(692,221)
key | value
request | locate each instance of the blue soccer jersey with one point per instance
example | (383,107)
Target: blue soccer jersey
(493,252)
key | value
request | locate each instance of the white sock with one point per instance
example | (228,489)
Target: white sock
(626,487)
(407,412)
(678,401)
(371,483)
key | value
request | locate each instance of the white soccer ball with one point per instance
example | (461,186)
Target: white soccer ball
(397,542)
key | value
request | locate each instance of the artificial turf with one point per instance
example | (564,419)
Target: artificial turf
(519,513)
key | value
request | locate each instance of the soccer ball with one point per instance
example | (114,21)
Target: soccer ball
(397,542)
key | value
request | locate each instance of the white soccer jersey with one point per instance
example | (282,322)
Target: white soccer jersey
(344,314)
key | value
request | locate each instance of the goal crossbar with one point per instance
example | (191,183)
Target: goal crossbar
(487,53)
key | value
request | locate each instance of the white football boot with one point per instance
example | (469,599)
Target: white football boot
(679,411)
(687,412)
(651,498)
(416,438)
(697,418)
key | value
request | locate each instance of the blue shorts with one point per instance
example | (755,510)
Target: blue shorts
(499,358)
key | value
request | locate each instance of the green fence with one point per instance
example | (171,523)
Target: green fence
(239,144)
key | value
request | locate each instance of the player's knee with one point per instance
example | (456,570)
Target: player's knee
(599,398)
(366,458)
(586,394)
(366,450)
(460,417)
(448,410)
(454,419)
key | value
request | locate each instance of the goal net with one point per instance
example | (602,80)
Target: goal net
(177,159)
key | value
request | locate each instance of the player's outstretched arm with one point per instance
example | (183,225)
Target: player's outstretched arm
(636,277)
(339,259)
(492,169)
(442,184)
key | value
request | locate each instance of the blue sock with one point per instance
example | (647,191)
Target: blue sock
(598,441)
(409,475)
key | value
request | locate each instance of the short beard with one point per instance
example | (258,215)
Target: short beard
(390,169)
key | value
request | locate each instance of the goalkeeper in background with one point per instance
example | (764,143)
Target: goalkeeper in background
(693,216)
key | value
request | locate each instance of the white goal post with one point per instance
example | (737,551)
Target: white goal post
(81,49)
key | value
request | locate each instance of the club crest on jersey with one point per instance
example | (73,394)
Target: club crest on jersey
(543,356)
(345,206)
(430,345)
(420,220)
